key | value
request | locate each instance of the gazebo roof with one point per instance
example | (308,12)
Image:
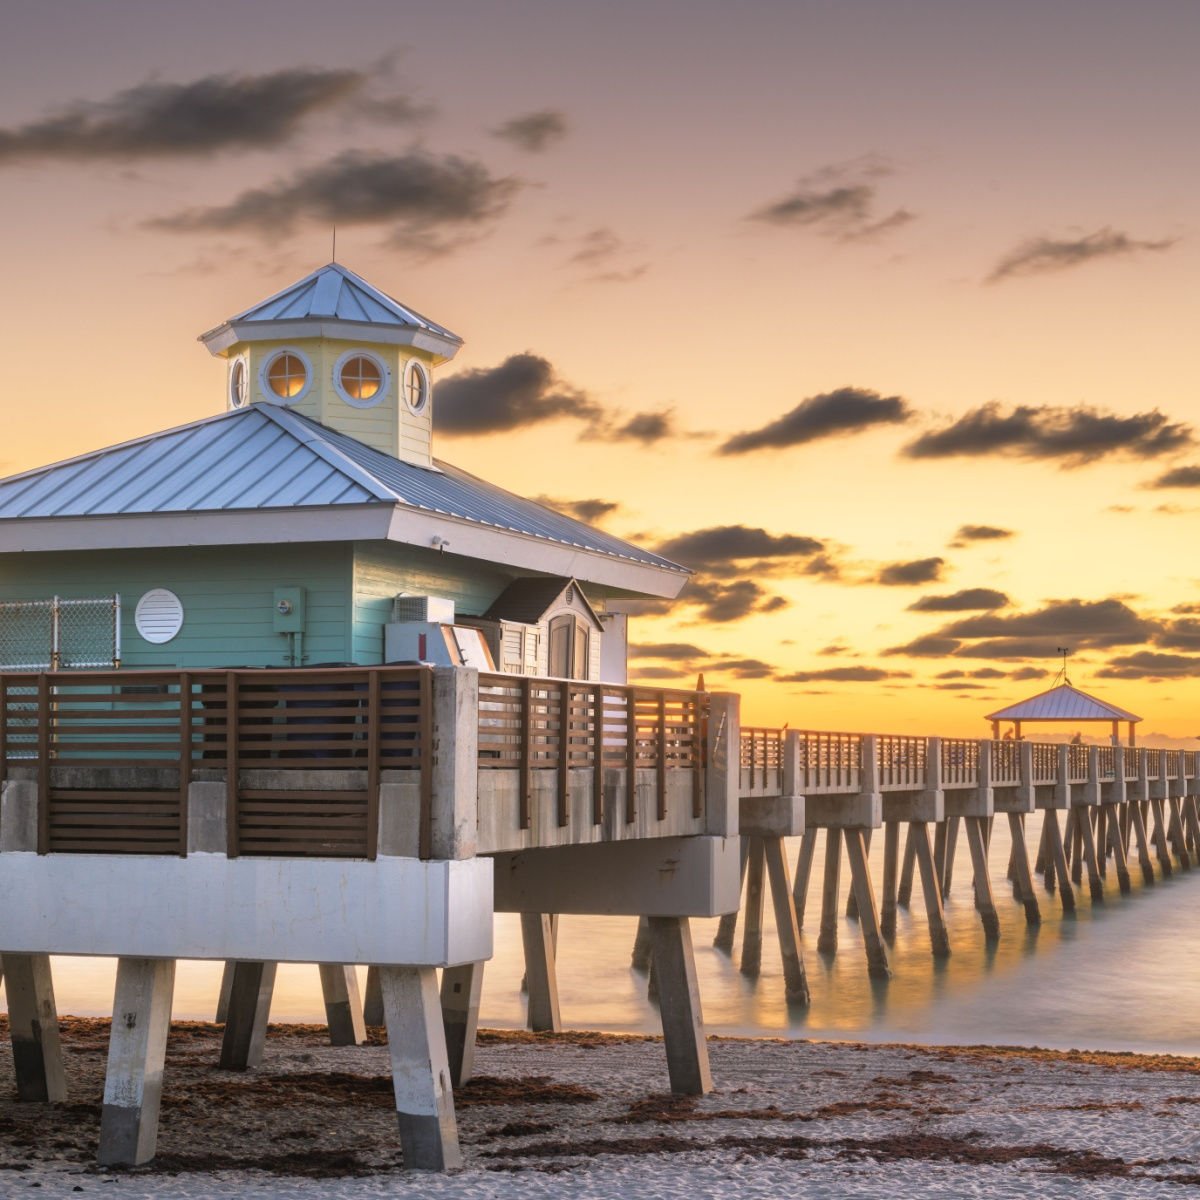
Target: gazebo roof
(1062,703)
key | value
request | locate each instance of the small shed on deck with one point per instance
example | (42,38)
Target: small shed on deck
(1061,704)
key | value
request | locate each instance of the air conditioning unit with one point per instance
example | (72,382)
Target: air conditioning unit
(428,609)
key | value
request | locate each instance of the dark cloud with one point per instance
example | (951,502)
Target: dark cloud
(606,257)
(675,651)
(1023,673)
(719,545)
(535,131)
(590,511)
(932,646)
(1146,664)
(1179,477)
(523,390)
(177,120)
(1076,623)
(908,574)
(1181,634)
(647,428)
(1038,256)
(838,202)
(723,602)
(427,199)
(843,675)
(964,601)
(743,668)
(845,411)
(1072,435)
(979,533)
(989,673)
(653,672)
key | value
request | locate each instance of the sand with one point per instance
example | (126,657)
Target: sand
(588,1115)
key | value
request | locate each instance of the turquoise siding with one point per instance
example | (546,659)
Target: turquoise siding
(382,569)
(227,594)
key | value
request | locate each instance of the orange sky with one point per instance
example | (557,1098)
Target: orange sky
(719,213)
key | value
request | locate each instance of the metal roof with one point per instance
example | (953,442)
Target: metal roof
(1062,703)
(336,293)
(268,457)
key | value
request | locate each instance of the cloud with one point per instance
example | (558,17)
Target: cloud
(908,574)
(838,202)
(839,413)
(606,257)
(743,668)
(717,546)
(724,602)
(534,132)
(1179,477)
(1182,634)
(1146,664)
(179,120)
(842,675)
(979,533)
(523,390)
(426,198)
(1073,435)
(674,651)
(1042,255)
(589,511)
(930,646)
(1023,673)
(647,428)
(963,601)
(1080,623)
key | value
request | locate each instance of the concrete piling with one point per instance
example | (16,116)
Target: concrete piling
(752,930)
(343,1006)
(679,993)
(460,993)
(537,937)
(33,1028)
(795,979)
(249,1011)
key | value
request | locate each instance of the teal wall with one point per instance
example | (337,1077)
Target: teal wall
(383,569)
(228,595)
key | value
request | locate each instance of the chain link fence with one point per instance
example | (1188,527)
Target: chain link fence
(57,634)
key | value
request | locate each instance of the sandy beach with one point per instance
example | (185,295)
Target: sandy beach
(588,1115)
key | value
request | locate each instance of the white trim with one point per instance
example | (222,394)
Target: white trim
(339,523)
(235,404)
(264,385)
(234,332)
(385,378)
(414,366)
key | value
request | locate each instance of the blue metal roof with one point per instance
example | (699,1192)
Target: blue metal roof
(1063,703)
(268,457)
(336,293)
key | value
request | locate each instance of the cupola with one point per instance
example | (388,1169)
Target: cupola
(340,351)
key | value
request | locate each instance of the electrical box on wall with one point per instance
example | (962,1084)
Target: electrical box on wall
(289,610)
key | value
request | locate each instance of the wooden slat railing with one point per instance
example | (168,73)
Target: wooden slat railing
(562,725)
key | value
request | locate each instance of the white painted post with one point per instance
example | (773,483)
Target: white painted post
(455,766)
(137,1050)
(33,1028)
(420,1068)
(343,1007)
(722,777)
(679,1006)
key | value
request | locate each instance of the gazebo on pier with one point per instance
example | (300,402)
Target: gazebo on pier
(1062,704)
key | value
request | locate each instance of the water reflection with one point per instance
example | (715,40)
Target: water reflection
(1116,974)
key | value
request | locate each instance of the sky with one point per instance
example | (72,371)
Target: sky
(879,315)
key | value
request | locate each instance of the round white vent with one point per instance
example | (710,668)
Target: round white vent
(159,616)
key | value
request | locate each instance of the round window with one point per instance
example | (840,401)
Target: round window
(361,379)
(159,616)
(237,383)
(287,375)
(416,385)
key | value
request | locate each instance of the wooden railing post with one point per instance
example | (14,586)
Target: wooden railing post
(721,785)
(630,755)
(44,716)
(454,771)
(374,752)
(232,726)
(526,766)
(661,753)
(598,754)
(185,756)
(564,751)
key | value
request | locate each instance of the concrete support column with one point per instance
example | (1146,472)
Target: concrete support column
(827,938)
(541,975)
(639,960)
(679,1005)
(1115,841)
(891,864)
(33,1028)
(804,862)
(249,1011)
(461,989)
(726,926)
(1021,875)
(343,1006)
(795,980)
(372,999)
(137,1050)
(908,863)
(985,902)
(931,885)
(752,931)
(222,1014)
(420,1068)
(868,914)
(1057,857)
(1087,840)
(455,768)
(722,776)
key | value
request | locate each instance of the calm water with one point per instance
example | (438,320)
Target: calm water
(1118,975)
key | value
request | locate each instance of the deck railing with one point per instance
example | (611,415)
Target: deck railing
(531,724)
(960,762)
(1006,763)
(830,762)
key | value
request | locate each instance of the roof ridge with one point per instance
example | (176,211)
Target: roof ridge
(329,453)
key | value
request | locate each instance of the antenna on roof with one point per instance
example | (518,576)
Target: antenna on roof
(333,251)
(1065,652)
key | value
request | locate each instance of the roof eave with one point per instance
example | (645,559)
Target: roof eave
(225,336)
